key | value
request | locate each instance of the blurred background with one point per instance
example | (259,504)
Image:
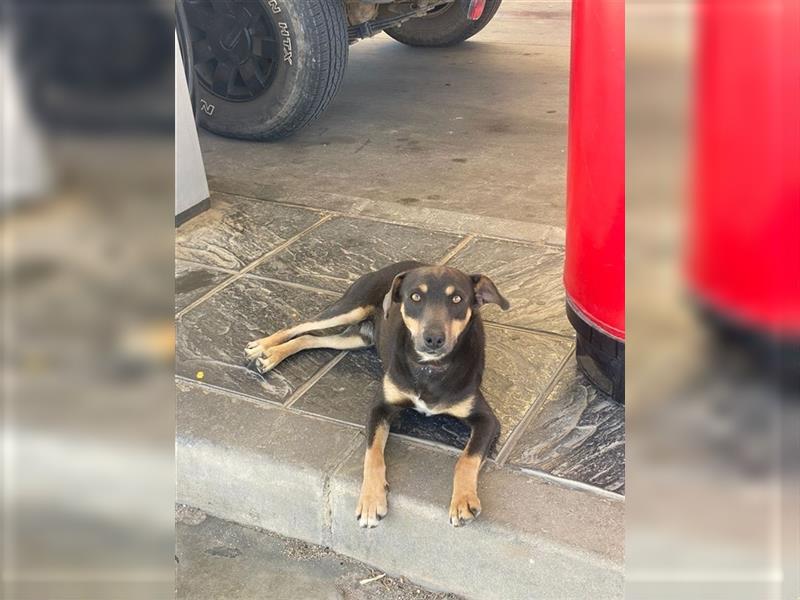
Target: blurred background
(87,239)
(712,299)
(713,141)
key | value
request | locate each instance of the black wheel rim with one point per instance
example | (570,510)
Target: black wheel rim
(235,50)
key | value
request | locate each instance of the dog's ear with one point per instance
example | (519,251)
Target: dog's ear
(486,292)
(393,295)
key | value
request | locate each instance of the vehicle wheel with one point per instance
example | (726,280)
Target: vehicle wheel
(265,68)
(444,26)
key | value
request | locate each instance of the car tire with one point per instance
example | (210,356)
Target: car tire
(444,27)
(263,69)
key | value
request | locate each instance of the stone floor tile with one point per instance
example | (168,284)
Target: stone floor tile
(235,231)
(578,433)
(192,281)
(341,250)
(211,337)
(529,276)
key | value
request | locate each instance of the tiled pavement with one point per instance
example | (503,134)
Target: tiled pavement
(248,267)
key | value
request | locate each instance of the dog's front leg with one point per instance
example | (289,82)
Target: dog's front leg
(465,504)
(372,505)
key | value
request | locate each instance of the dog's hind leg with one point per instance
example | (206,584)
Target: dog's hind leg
(342,312)
(357,304)
(354,337)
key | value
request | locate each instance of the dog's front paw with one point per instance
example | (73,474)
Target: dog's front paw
(464,507)
(372,505)
(255,350)
(271,359)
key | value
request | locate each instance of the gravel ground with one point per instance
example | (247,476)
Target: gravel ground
(217,559)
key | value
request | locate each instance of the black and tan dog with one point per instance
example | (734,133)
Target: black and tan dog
(425,324)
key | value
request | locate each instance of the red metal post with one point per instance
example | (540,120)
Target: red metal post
(594,274)
(744,239)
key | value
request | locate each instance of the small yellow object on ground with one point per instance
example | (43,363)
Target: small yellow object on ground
(200,375)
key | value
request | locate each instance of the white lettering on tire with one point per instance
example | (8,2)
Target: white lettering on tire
(207,107)
(286,43)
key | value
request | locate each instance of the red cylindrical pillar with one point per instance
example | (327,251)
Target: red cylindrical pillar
(744,237)
(594,273)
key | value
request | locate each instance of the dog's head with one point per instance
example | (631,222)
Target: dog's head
(437,303)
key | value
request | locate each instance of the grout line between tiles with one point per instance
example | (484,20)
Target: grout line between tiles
(207,295)
(227,391)
(533,410)
(288,203)
(496,325)
(252,265)
(414,225)
(570,483)
(306,385)
(463,243)
(300,286)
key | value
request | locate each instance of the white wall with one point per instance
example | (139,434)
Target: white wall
(25,172)
(191,186)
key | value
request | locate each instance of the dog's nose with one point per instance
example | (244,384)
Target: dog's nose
(434,339)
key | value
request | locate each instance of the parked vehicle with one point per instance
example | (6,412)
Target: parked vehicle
(262,69)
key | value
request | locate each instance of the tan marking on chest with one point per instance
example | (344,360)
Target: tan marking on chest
(395,395)
(462,409)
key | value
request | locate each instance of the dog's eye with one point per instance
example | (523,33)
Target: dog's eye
(416,297)
(456,299)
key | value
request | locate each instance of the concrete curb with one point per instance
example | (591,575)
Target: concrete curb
(265,466)
(429,218)
(256,465)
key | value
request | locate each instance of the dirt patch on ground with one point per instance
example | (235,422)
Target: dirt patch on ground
(189,515)
(385,588)
(300,550)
